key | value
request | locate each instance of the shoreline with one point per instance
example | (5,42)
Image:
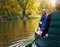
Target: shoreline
(23,42)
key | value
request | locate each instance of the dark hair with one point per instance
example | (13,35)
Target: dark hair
(43,14)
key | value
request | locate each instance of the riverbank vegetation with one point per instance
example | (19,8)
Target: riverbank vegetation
(16,9)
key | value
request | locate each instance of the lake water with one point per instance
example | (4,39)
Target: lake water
(12,31)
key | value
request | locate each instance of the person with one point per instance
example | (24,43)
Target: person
(43,19)
(52,28)
(41,26)
(42,22)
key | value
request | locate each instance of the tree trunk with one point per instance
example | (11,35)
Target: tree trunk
(24,11)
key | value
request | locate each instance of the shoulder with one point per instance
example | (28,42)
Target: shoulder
(49,15)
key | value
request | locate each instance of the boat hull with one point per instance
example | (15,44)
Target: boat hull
(40,42)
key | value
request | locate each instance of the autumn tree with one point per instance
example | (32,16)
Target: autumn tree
(44,4)
(25,4)
(23,7)
(9,9)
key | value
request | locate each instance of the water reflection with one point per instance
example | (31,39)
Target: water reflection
(11,31)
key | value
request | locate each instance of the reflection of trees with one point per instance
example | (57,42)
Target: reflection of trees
(27,27)
(24,25)
(26,22)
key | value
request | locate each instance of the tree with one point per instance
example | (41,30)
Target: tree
(44,4)
(23,7)
(25,4)
(9,8)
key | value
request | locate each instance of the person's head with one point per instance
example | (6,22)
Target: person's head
(58,4)
(44,11)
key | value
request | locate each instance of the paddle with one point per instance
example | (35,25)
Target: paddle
(30,45)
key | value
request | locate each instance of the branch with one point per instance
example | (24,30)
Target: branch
(27,1)
(6,7)
(20,2)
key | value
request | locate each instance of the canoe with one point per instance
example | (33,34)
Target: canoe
(41,42)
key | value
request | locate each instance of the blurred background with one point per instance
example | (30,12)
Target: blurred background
(19,18)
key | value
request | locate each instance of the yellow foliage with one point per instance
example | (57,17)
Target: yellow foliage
(31,7)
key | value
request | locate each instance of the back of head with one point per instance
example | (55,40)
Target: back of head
(44,11)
